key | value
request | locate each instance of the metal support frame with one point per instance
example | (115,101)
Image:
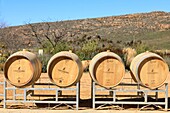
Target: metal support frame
(32,89)
(115,91)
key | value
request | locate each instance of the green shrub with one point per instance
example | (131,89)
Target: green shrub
(60,46)
(140,48)
(90,46)
(80,54)
(88,50)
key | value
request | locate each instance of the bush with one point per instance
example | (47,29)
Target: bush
(142,48)
(60,46)
(88,50)
(81,55)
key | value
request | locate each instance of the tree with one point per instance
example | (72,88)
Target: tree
(48,35)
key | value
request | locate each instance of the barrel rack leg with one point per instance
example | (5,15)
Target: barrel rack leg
(77,95)
(166,96)
(5,93)
(93,94)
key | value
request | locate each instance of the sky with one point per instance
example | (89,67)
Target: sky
(20,12)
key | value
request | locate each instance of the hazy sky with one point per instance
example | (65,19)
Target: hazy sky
(19,12)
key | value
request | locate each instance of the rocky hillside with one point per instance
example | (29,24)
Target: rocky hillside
(114,32)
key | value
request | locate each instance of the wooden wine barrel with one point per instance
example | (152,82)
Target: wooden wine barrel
(149,70)
(64,69)
(22,69)
(107,69)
